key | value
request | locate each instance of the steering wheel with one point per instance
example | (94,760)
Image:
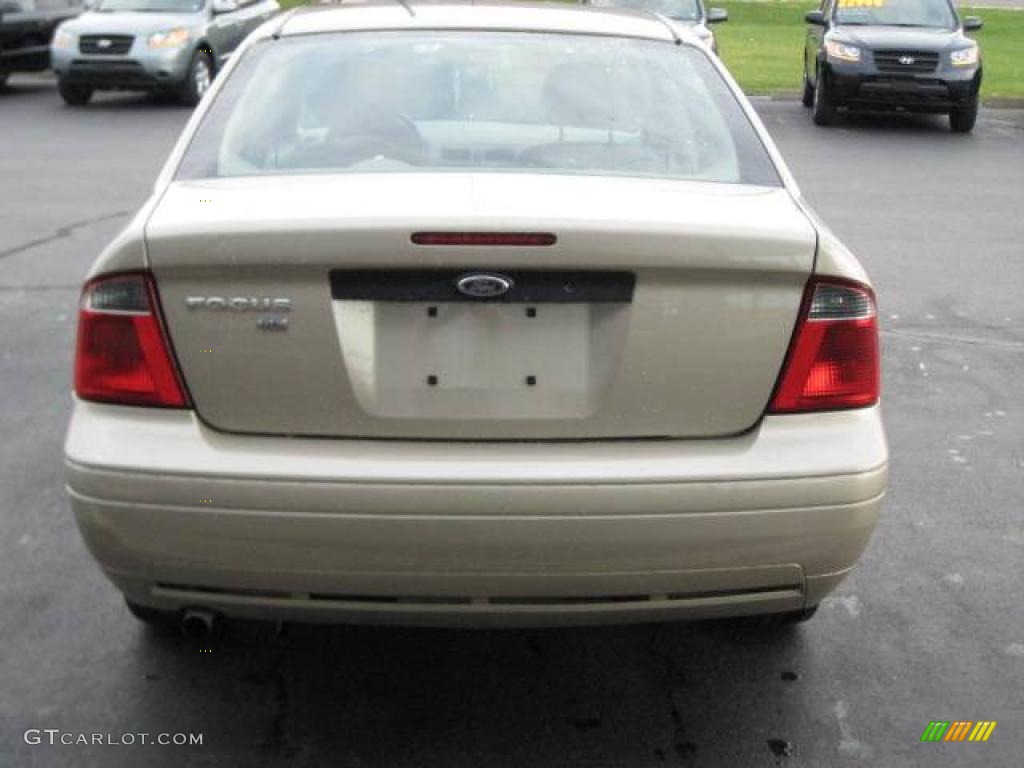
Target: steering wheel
(394,136)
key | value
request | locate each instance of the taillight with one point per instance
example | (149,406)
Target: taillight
(833,357)
(123,355)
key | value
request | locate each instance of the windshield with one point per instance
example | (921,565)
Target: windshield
(685,10)
(447,101)
(900,13)
(151,6)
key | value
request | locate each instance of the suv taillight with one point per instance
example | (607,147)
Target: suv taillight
(833,358)
(123,355)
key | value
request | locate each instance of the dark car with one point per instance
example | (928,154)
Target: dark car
(26,28)
(906,55)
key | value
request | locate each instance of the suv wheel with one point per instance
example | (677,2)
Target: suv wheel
(962,119)
(822,109)
(74,95)
(197,81)
(807,97)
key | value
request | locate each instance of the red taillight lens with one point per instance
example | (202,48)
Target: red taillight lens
(123,355)
(484,238)
(833,358)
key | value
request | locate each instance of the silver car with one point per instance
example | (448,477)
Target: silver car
(166,46)
(475,314)
(690,14)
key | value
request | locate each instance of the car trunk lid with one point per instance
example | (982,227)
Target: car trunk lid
(303,306)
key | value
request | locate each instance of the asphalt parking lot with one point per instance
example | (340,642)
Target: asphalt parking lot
(929,628)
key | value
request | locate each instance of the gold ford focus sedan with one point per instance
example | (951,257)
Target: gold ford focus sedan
(499,314)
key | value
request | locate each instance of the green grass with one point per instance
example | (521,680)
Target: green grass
(762,44)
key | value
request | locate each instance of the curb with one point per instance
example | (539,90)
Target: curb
(784,95)
(996,102)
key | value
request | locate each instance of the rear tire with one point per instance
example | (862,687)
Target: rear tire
(74,95)
(770,622)
(823,111)
(807,97)
(962,119)
(793,617)
(198,79)
(165,621)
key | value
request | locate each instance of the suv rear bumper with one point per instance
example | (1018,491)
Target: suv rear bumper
(443,533)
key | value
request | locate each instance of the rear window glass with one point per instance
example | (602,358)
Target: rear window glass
(372,102)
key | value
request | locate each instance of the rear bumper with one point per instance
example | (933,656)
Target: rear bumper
(451,533)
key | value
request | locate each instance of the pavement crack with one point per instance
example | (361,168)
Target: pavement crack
(685,749)
(61,232)
(956,339)
(276,742)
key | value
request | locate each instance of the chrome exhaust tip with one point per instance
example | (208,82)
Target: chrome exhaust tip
(198,623)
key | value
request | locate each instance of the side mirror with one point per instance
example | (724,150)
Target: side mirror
(224,6)
(971,23)
(817,18)
(717,15)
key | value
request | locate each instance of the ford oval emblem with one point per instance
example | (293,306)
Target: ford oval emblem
(484,286)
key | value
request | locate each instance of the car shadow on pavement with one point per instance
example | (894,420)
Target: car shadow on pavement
(632,696)
(23,87)
(894,122)
(102,101)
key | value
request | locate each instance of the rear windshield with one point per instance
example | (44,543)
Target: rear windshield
(372,102)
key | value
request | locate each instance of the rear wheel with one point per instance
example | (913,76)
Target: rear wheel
(74,95)
(792,617)
(962,119)
(165,621)
(822,109)
(775,621)
(197,81)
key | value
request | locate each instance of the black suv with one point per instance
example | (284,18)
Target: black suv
(26,29)
(908,55)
